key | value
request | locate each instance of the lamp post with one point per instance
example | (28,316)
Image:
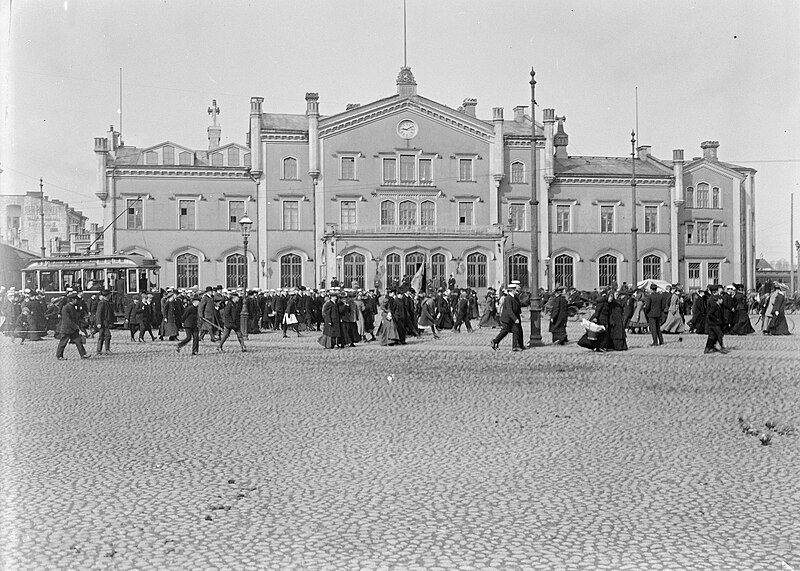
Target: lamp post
(244,317)
(536,299)
(41,211)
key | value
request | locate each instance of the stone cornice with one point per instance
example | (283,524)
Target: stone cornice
(271,137)
(142,171)
(586,180)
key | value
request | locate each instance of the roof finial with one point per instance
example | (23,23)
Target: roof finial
(214,111)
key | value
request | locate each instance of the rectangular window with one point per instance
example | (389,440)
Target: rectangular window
(516,215)
(348,168)
(650,219)
(715,197)
(690,233)
(235,213)
(186,215)
(291,218)
(134,214)
(689,197)
(694,275)
(425,171)
(713,273)
(702,232)
(562,217)
(465,170)
(348,212)
(389,171)
(408,169)
(606,219)
(465,213)
(715,231)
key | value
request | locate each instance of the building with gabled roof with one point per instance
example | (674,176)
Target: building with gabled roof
(368,194)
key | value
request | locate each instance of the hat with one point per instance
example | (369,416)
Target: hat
(196,297)
(653,286)
(209,288)
(72,293)
(514,285)
(559,288)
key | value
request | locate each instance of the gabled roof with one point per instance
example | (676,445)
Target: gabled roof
(738,169)
(165,144)
(608,166)
(284,122)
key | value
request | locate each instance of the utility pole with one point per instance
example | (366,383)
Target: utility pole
(41,211)
(791,244)
(536,299)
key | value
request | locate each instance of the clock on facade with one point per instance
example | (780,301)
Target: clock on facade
(407,129)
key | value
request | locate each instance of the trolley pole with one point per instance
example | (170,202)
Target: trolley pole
(791,244)
(41,211)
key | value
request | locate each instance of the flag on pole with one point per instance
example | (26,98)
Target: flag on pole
(419,281)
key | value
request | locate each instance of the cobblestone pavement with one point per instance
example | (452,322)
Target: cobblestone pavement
(437,455)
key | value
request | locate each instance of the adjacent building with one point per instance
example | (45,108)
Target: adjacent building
(370,193)
(21,222)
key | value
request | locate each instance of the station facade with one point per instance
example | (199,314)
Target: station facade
(369,194)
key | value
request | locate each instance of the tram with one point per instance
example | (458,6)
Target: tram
(124,275)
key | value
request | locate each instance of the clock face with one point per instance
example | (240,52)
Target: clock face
(407,129)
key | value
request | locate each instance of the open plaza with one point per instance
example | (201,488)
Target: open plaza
(440,454)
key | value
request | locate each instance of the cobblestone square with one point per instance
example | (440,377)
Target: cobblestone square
(440,454)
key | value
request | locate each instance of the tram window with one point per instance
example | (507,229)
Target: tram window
(153,276)
(48,280)
(93,279)
(133,284)
(143,285)
(71,278)
(30,280)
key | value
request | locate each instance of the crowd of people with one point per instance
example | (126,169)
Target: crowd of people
(344,316)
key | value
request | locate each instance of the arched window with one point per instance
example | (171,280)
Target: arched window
(233,157)
(701,196)
(438,271)
(216,159)
(651,267)
(291,270)
(353,270)
(564,271)
(393,270)
(413,261)
(387,213)
(607,270)
(517,172)
(186,270)
(408,213)
(169,155)
(427,213)
(235,269)
(715,202)
(290,168)
(518,269)
(476,270)
(690,197)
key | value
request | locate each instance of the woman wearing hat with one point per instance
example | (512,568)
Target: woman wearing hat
(741,315)
(331,322)
(674,322)
(775,313)
(608,313)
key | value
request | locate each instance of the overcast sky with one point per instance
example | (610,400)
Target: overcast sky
(723,70)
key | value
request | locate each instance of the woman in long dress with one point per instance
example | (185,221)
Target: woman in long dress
(674,322)
(638,322)
(489,317)
(609,313)
(331,323)
(775,314)
(741,315)
(387,330)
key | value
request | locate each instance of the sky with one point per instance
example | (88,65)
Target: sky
(725,70)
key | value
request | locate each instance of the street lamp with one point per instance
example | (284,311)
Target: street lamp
(244,317)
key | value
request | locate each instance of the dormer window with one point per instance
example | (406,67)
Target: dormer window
(185,159)
(216,160)
(168,155)
(151,158)
(233,157)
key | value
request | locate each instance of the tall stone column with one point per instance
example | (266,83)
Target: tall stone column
(318,188)
(497,166)
(256,172)
(109,210)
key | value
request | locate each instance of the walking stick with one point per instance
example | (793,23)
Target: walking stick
(213,324)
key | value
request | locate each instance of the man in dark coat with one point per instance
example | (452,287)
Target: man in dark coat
(462,313)
(231,314)
(698,321)
(397,306)
(70,328)
(510,321)
(292,308)
(558,317)
(207,315)
(190,326)
(714,321)
(103,320)
(331,323)
(281,301)
(143,314)
(655,309)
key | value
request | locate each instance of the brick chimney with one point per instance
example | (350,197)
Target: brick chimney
(643,151)
(519,113)
(469,106)
(710,150)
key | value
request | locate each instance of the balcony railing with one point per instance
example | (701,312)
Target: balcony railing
(413,229)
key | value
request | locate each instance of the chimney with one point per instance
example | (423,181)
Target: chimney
(113,138)
(709,150)
(643,151)
(519,113)
(561,139)
(214,131)
(677,167)
(469,106)
(312,114)
(254,134)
